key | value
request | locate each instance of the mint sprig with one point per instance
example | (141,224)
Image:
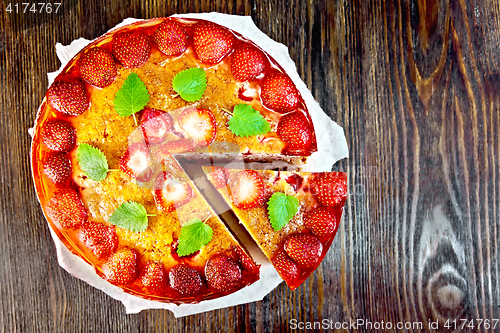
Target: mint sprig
(132,96)
(194,235)
(190,84)
(131,216)
(92,161)
(246,121)
(282,208)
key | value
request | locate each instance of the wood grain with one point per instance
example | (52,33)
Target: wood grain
(415,85)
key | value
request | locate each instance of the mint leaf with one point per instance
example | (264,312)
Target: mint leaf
(246,121)
(282,208)
(131,216)
(92,162)
(132,96)
(194,235)
(190,84)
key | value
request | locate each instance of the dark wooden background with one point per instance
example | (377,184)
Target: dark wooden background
(416,86)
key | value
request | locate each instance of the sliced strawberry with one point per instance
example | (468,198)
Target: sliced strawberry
(58,135)
(68,96)
(121,267)
(199,125)
(170,38)
(247,189)
(321,222)
(170,192)
(174,147)
(131,49)
(285,267)
(98,67)
(185,280)
(247,63)
(99,238)
(294,129)
(330,188)
(279,93)
(212,42)
(57,168)
(154,278)
(66,208)
(155,124)
(304,249)
(136,162)
(218,177)
(222,273)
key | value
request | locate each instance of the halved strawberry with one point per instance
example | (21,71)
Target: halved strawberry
(98,67)
(246,262)
(222,273)
(279,93)
(136,163)
(174,147)
(185,280)
(247,189)
(212,42)
(294,129)
(170,192)
(321,222)
(68,96)
(121,267)
(58,135)
(285,267)
(57,167)
(170,38)
(66,208)
(330,188)
(131,49)
(199,125)
(99,238)
(247,63)
(154,278)
(218,177)
(155,124)
(304,249)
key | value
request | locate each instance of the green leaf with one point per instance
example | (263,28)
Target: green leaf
(246,121)
(132,96)
(92,162)
(190,84)
(282,208)
(194,235)
(131,216)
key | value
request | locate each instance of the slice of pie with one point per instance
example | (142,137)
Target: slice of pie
(292,216)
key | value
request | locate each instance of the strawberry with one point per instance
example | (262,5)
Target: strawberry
(68,96)
(170,38)
(304,249)
(58,135)
(155,124)
(57,168)
(153,277)
(121,267)
(321,222)
(185,280)
(218,177)
(199,125)
(222,273)
(174,147)
(98,67)
(285,267)
(170,192)
(330,188)
(66,208)
(212,42)
(279,93)
(294,130)
(247,63)
(246,262)
(131,49)
(247,189)
(99,238)
(136,163)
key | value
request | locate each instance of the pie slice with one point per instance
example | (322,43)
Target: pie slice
(292,216)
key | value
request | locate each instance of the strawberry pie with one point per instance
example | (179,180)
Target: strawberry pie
(107,152)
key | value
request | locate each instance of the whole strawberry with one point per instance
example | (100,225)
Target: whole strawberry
(321,222)
(57,167)
(131,49)
(285,267)
(154,278)
(330,188)
(99,238)
(279,93)
(212,42)
(185,280)
(68,96)
(98,67)
(66,208)
(170,38)
(121,267)
(222,273)
(304,249)
(247,62)
(58,135)
(294,130)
